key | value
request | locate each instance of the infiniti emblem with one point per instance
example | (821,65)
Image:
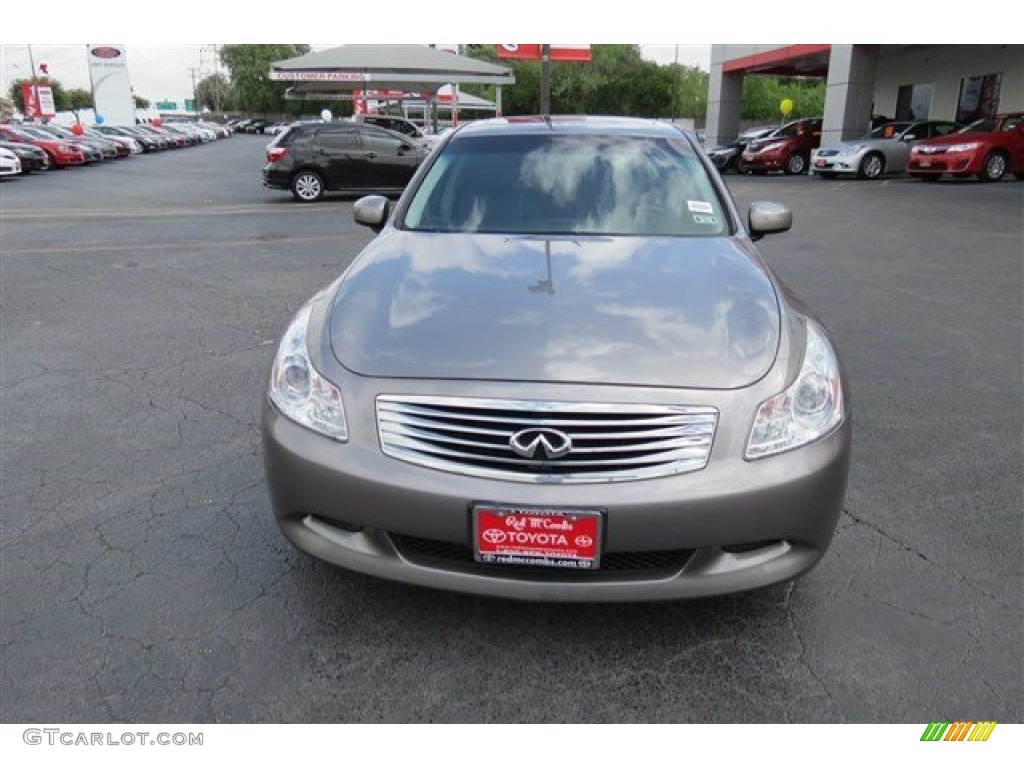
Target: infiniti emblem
(553,443)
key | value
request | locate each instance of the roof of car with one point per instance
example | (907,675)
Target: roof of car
(571,124)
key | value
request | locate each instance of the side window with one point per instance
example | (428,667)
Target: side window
(1011,123)
(338,139)
(381,142)
(403,127)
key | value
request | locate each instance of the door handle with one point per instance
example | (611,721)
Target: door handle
(371,155)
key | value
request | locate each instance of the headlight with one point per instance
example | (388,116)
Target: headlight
(967,147)
(809,409)
(773,146)
(299,391)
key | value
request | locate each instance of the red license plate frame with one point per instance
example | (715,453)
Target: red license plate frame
(545,537)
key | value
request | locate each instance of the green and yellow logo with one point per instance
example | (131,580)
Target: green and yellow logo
(958,731)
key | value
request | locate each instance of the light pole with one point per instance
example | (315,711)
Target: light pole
(195,101)
(545,80)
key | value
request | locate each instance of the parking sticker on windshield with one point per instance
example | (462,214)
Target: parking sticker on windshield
(699,206)
(701,219)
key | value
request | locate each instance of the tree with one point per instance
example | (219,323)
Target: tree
(763,94)
(617,81)
(141,103)
(214,91)
(249,66)
(690,91)
(77,100)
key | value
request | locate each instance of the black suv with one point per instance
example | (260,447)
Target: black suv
(312,158)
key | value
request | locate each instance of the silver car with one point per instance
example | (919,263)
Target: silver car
(883,151)
(561,371)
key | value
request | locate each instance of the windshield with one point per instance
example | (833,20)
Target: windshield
(567,184)
(888,131)
(37,133)
(985,125)
(22,134)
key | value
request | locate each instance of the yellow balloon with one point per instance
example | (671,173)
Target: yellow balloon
(785,107)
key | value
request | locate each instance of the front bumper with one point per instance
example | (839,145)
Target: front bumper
(966,163)
(839,164)
(763,161)
(724,159)
(737,525)
(62,159)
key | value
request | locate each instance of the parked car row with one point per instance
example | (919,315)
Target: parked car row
(251,125)
(929,149)
(884,150)
(926,149)
(728,157)
(40,147)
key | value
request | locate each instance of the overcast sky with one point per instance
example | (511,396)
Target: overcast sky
(161,71)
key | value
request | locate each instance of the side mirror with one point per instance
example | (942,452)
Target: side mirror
(766,218)
(371,211)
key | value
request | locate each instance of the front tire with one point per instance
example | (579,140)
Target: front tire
(307,187)
(872,166)
(796,164)
(994,167)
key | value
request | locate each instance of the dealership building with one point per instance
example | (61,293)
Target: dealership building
(903,82)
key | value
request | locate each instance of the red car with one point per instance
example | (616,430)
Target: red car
(988,148)
(785,149)
(62,153)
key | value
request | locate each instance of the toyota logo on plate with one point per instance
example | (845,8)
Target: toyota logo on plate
(494,536)
(551,442)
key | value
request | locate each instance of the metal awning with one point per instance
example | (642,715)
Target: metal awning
(411,68)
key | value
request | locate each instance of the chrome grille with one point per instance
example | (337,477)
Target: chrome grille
(609,442)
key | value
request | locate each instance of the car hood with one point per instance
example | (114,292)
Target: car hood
(865,143)
(757,144)
(668,312)
(955,138)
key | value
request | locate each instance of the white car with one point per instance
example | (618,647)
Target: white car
(10,165)
(401,125)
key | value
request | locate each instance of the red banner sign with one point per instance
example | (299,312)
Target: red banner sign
(37,100)
(531,52)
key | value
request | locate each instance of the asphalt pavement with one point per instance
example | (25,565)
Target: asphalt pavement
(144,579)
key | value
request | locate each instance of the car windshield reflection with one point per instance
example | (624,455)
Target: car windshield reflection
(568,184)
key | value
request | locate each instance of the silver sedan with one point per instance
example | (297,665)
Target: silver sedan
(561,372)
(883,151)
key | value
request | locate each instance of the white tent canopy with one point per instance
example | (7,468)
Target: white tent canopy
(407,68)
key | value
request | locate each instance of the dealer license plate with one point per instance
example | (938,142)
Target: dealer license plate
(551,538)
(925,163)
